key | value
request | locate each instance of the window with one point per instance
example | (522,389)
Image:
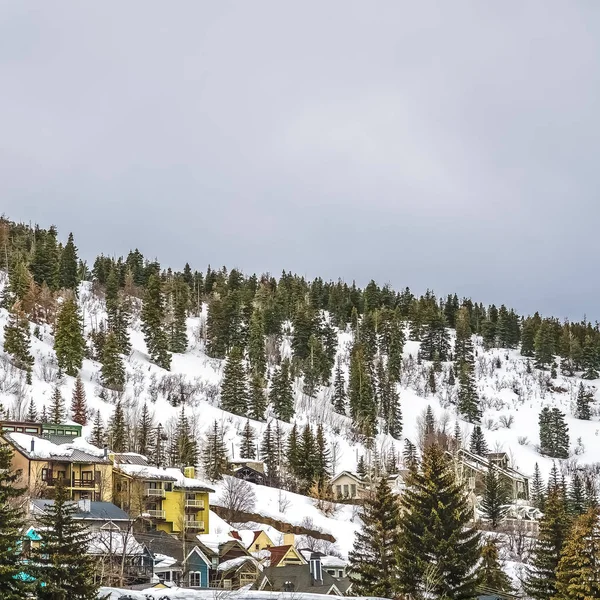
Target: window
(227,584)
(353,490)
(87,475)
(345,490)
(168,487)
(195,579)
(44,474)
(30,430)
(167,575)
(340,574)
(338,489)
(257,546)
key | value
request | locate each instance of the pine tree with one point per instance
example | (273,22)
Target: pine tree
(45,262)
(257,401)
(361,467)
(44,415)
(78,403)
(69,343)
(269,455)
(492,575)
(214,455)
(66,572)
(257,356)
(248,445)
(477,444)
(178,331)
(538,494)
(144,440)
(153,315)
(578,572)
(372,562)
(434,530)
(98,431)
(112,370)
(339,390)
(584,398)
(67,271)
(234,390)
(576,495)
(554,527)
(322,472)
(281,395)
(32,415)
(184,450)
(590,359)
(117,432)
(57,408)
(361,394)
(17,340)
(468,398)
(554,433)
(528,338)
(118,311)
(495,497)
(544,345)
(11,523)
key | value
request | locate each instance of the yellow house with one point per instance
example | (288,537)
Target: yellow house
(172,501)
(84,468)
(254,541)
(283,556)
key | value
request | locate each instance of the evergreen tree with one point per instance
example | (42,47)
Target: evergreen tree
(322,472)
(32,415)
(145,427)
(98,431)
(11,525)
(528,338)
(57,408)
(436,341)
(578,572)
(112,370)
(361,394)
(492,575)
(373,564)
(590,359)
(554,433)
(339,391)
(118,434)
(214,455)
(153,315)
(118,312)
(184,450)
(293,455)
(234,390)
(434,530)
(44,415)
(257,402)
(410,454)
(65,570)
(67,272)
(248,445)
(538,494)
(78,403)
(17,341)
(69,343)
(576,495)
(544,345)
(257,356)
(468,398)
(281,395)
(554,527)
(477,444)
(495,497)
(361,467)
(45,262)
(269,455)
(584,398)
(178,330)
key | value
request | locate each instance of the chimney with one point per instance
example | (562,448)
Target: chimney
(105,451)
(289,539)
(32,444)
(316,568)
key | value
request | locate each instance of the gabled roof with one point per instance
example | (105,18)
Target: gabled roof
(279,553)
(99,511)
(300,577)
(354,476)
(43,449)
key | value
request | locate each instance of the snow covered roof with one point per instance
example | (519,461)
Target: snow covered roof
(39,448)
(88,510)
(327,561)
(189,483)
(114,542)
(145,472)
(235,563)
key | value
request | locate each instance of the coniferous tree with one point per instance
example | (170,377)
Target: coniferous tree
(57,408)
(17,340)
(528,338)
(269,455)
(293,455)
(32,415)
(45,262)
(153,315)
(257,356)
(281,395)
(67,573)
(98,435)
(257,401)
(409,454)
(78,403)
(578,572)
(184,450)
(544,345)
(178,339)
(339,390)
(44,415)
(434,530)
(234,390)
(436,341)
(11,523)
(492,575)
(554,433)
(69,343)
(477,444)
(496,497)
(538,493)
(248,445)
(554,526)
(145,427)
(576,495)
(584,398)
(118,434)
(322,471)
(590,359)
(67,271)
(361,467)
(361,394)
(118,311)
(112,370)
(373,564)
(214,455)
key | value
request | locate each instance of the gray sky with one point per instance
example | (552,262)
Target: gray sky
(450,145)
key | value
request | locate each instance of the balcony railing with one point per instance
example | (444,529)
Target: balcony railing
(155,492)
(157,514)
(194,504)
(189,524)
(72,483)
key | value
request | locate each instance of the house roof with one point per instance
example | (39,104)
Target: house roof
(328,561)
(278,553)
(99,511)
(129,458)
(347,474)
(44,449)
(236,563)
(299,576)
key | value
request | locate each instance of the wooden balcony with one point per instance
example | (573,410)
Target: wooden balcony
(198,525)
(155,492)
(71,483)
(199,504)
(156,514)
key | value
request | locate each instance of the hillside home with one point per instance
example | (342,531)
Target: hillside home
(334,565)
(349,486)
(172,501)
(285,555)
(237,573)
(248,470)
(97,515)
(254,541)
(84,468)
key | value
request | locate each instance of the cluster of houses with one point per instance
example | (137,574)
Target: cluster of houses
(150,525)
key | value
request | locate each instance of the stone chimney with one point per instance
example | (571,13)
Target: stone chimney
(289,539)
(316,568)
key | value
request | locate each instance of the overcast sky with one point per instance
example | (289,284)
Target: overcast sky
(450,145)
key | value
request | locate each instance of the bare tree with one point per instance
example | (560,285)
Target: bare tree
(237,496)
